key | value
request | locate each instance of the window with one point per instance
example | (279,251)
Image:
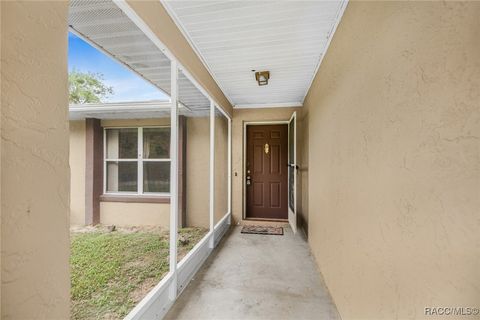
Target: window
(137,160)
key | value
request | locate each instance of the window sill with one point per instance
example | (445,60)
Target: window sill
(134,198)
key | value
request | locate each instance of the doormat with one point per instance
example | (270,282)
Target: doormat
(278,231)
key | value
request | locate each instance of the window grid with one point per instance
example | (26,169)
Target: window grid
(140,160)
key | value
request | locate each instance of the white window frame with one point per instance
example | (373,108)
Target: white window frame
(139,160)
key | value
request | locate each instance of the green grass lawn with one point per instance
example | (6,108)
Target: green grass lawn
(112,271)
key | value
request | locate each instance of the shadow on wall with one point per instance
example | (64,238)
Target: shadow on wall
(302,182)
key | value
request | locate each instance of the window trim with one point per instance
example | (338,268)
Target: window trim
(139,160)
(134,198)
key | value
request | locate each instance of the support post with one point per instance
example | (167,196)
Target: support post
(182,171)
(229,170)
(173,178)
(93,170)
(212,173)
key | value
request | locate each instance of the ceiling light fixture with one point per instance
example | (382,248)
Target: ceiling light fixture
(262,77)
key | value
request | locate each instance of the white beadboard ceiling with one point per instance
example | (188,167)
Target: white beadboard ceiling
(287,38)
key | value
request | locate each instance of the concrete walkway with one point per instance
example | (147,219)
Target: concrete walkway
(257,277)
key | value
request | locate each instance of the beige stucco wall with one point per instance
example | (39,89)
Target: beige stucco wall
(198,164)
(34,163)
(221,167)
(240,117)
(156,17)
(394,154)
(135,214)
(77,173)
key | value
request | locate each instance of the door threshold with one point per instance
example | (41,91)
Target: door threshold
(266,219)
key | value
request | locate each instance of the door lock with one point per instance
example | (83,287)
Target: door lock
(292,165)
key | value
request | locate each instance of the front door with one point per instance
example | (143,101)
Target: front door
(267,171)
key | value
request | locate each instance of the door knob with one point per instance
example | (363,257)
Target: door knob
(292,165)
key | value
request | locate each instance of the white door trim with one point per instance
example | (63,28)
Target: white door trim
(292,214)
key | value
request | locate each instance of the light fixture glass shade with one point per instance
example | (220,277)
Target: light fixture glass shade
(262,77)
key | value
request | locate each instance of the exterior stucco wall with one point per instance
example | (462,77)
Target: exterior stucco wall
(198,167)
(394,154)
(198,164)
(221,167)
(239,118)
(77,173)
(34,163)
(135,214)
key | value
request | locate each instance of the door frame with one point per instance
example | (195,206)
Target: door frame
(292,213)
(244,162)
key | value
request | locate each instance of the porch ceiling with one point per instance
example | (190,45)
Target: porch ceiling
(288,38)
(232,38)
(104,25)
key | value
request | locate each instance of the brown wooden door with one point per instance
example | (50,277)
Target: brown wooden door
(267,171)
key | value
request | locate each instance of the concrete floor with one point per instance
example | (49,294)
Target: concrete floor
(257,277)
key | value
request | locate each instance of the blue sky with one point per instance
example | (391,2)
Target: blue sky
(127,86)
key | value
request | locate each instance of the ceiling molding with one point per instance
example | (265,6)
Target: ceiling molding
(330,37)
(269,105)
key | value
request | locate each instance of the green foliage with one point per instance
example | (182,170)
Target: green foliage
(87,87)
(112,271)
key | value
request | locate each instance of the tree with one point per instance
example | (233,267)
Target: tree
(87,87)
